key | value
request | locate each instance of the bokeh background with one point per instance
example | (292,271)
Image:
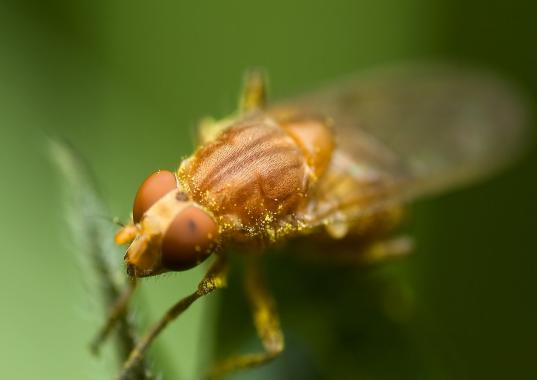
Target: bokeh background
(126,81)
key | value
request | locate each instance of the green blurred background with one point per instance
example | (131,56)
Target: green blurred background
(126,81)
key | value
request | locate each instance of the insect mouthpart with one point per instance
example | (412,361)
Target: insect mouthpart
(131,270)
(142,258)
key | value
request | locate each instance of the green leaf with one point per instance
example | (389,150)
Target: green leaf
(92,235)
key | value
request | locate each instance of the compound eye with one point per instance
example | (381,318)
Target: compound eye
(189,239)
(152,189)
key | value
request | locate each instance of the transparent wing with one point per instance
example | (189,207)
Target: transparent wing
(411,131)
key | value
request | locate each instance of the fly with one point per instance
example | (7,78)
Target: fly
(338,164)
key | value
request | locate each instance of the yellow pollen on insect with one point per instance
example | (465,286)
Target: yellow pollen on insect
(271,234)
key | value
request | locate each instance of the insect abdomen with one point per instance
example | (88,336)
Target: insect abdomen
(254,171)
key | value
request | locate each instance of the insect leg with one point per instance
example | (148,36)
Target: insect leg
(215,278)
(254,92)
(266,322)
(388,249)
(118,309)
(350,251)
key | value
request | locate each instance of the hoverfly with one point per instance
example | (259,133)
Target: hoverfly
(339,163)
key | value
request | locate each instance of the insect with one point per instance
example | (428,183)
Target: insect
(338,164)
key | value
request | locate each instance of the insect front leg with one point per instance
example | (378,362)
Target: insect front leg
(115,313)
(266,322)
(215,278)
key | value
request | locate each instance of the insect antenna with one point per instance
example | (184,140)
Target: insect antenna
(113,220)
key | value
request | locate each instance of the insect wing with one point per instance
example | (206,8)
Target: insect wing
(412,131)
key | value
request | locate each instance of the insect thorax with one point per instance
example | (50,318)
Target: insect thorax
(255,171)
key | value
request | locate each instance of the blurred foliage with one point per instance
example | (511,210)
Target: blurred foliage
(93,244)
(126,81)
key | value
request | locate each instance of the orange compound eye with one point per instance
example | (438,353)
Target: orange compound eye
(189,239)
(153,188)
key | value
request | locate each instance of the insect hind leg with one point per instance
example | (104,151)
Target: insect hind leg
(352,251)
(388,249)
